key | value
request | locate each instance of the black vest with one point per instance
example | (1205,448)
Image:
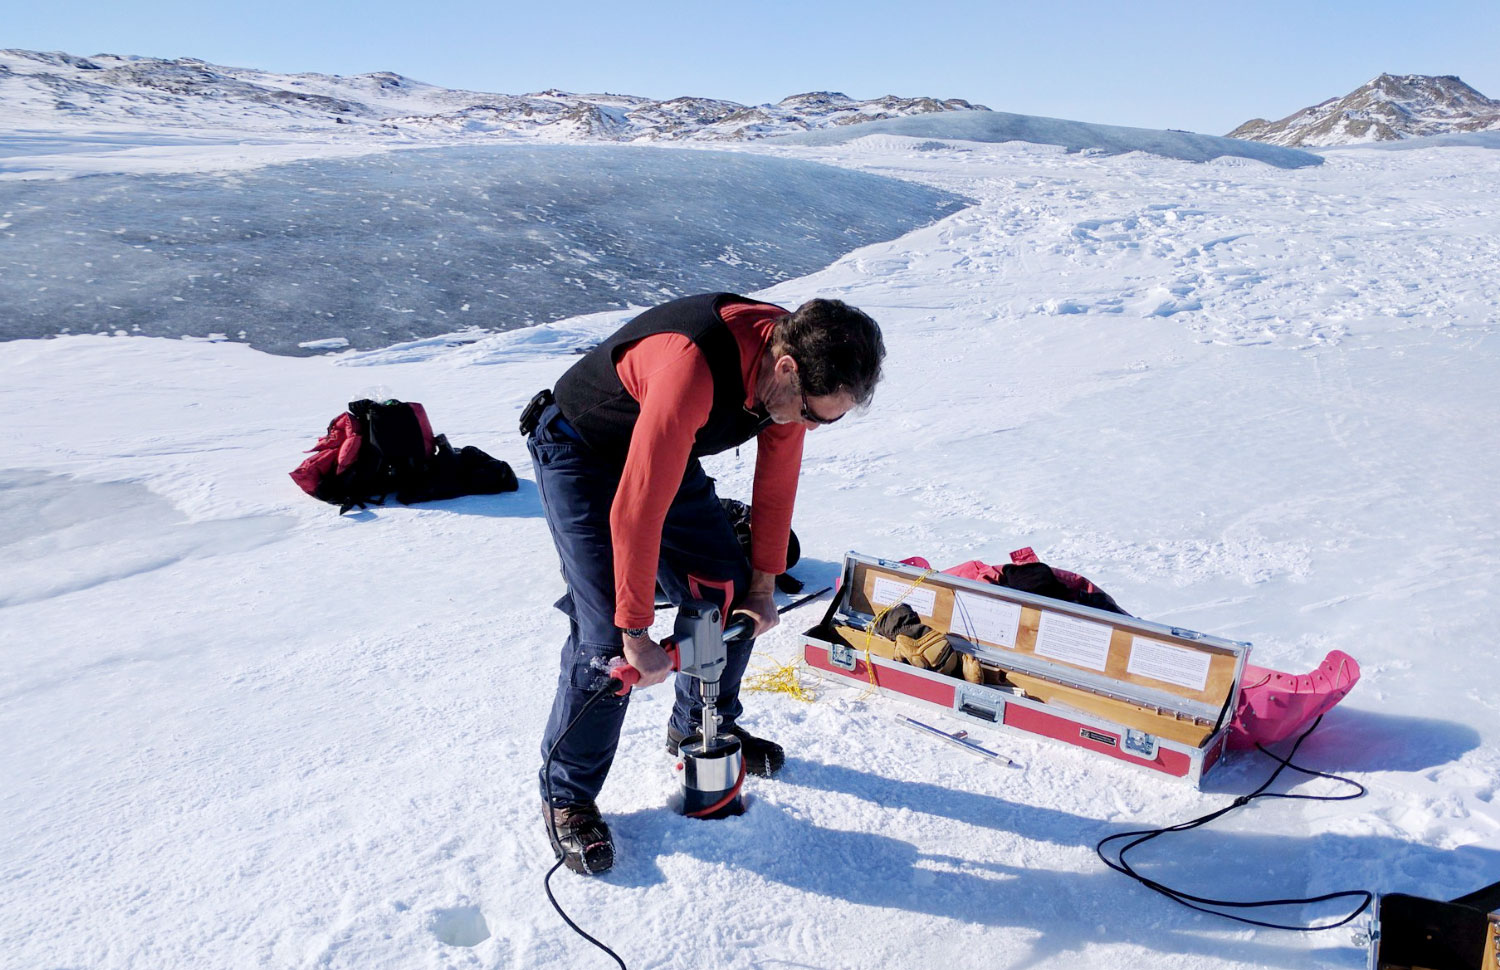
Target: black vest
(603,413)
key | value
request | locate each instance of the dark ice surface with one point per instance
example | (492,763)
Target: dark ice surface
(402,245)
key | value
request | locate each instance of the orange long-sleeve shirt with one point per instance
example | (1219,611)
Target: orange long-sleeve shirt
(669,378)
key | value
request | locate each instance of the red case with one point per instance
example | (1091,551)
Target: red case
(948,603)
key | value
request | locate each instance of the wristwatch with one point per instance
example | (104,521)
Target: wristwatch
(635,631)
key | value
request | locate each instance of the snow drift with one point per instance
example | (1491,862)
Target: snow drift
(1075,136)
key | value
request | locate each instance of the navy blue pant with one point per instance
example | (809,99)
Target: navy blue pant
(699,556)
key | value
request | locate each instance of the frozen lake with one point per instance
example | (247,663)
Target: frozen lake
(402,245)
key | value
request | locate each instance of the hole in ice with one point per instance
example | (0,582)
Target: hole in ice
(460,926)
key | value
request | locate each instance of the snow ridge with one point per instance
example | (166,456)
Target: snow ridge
(1388,108)
(39,88)
(1072,136)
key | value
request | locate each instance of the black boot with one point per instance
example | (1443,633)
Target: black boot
(580,838)
(762,757)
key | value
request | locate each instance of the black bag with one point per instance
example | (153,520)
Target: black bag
(739,517)
(450,474)
(1042,580)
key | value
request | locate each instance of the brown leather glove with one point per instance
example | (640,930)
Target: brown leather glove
(931,651)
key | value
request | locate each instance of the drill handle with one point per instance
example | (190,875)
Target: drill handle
(741,627)
(627,676)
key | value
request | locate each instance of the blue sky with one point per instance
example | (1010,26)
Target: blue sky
(1204,67)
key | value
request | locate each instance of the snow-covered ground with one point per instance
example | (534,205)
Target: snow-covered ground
(242,731)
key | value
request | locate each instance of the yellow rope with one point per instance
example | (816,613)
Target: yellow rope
(781,679)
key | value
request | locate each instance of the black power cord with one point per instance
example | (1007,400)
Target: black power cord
(609,687)
(1205,904)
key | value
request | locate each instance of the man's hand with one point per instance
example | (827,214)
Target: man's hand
(760,602)
(648,658)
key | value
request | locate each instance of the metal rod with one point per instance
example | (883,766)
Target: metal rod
(804,599)
(962,742)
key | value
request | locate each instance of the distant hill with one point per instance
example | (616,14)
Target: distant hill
(43,91)
(1389,108)
(40,88)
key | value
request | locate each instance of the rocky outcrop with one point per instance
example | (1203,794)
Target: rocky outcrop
(1388,108)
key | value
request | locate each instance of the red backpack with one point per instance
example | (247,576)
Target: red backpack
(380,448)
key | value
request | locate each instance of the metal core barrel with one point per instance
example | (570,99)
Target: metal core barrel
(709,773)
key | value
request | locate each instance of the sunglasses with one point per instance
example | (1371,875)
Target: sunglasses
(808,414)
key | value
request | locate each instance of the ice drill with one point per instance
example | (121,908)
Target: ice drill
(710,766)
